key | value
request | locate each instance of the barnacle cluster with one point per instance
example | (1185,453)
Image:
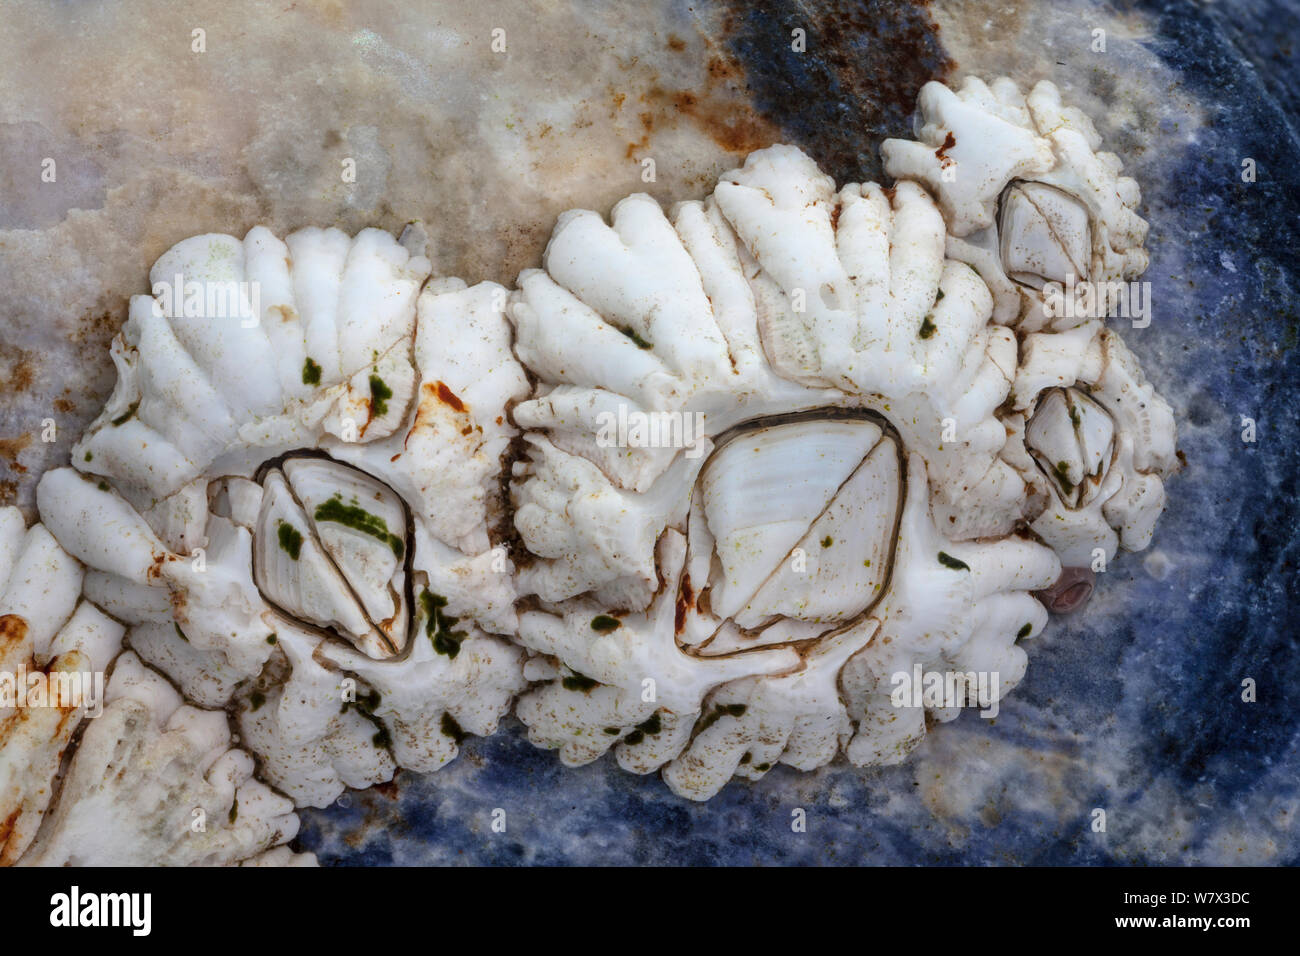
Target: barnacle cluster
(695,491)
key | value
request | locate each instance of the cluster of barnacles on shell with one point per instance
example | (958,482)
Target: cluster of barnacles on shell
(330,540)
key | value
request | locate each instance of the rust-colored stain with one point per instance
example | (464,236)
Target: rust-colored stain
(718,107)
(387,789)
(448,397)
(11,448)
(13,630)
(439,393)
(96,329)
(685,601)
(6,834)
(155,570)
(949,142)
(21,375)
(180,606)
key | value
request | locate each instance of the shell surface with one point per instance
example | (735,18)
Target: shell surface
(696,491)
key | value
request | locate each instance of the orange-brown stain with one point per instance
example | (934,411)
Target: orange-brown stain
(448,397)
(685,601)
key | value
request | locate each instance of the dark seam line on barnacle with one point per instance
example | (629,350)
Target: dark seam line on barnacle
(1088,479)
(352,591)
(1052,229)
(887,429)
(65,763)
(818,413)
(997,223)
(407,566)
(780,564)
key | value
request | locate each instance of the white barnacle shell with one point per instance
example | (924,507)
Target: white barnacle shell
(312,470)
(737,432)
(1093,440)
(758,458)
(155,781)
(137,578)
(953,606)
(142,766)
(1029,200)
(247,349)
(44,629)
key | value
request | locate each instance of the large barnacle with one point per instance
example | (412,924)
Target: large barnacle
(816,344)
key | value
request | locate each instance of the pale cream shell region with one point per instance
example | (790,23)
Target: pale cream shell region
(884,447)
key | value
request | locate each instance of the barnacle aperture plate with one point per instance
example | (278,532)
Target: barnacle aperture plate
(1044,235)
(802,516)
(329,548)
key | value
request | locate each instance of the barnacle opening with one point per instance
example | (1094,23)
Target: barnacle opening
(796,519)
(332,548)
(1044,235)
(1072,440)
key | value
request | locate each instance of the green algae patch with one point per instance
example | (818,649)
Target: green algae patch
(126,416)
(310,372)
(380,393)
(578,682)
(948,561)
(359,519)
(438,626)
(290,539)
